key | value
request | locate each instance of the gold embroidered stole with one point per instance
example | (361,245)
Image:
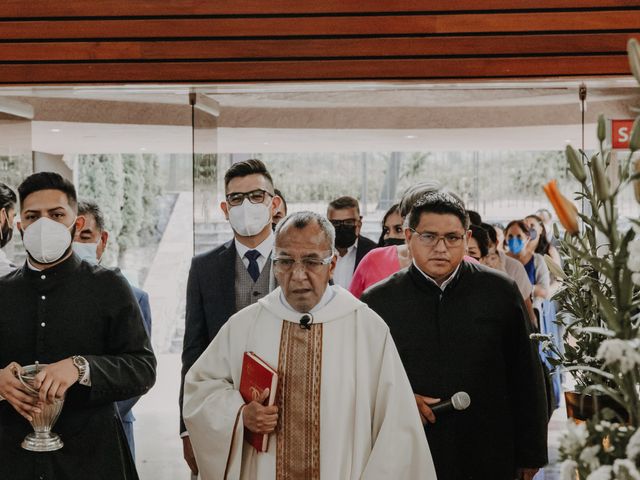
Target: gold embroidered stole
(298,400)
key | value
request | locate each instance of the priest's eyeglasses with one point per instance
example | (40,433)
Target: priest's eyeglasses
(308,264)
(255,196)
(429,239)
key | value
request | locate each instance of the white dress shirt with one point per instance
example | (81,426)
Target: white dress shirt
(343,273)
(265,249)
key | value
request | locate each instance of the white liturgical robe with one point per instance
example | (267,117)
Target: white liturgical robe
(363,414)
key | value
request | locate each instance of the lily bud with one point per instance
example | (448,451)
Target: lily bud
(602,128)
(600,180)
(634,141)
(575,164)
(633,51)
(566,211)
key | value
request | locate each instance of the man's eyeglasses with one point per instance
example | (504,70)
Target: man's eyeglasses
(255,196)
(431,239)
(309,264)
(349,222)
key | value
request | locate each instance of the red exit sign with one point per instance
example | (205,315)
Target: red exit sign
(621,133)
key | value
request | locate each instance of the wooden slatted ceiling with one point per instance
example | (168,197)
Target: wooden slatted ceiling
(120,8)
(118,41)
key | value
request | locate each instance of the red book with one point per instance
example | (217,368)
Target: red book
(256,376)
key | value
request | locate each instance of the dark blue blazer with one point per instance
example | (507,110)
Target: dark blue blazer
(211,300)
(124,407)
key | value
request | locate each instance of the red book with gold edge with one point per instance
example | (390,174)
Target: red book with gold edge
(256,376)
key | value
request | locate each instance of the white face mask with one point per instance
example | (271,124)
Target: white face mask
(86,251)
(249,218)
(47,240)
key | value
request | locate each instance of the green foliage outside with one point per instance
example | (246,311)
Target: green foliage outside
(14,169)
(126,188)
(491,176)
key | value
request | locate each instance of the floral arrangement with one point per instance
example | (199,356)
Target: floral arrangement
(599,307)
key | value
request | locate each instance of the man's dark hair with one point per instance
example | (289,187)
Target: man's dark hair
(47,181)
(474,217)
(8,197)
(482,237)
(245,168)
(284,202)
(345,202)
(441,203)
(89,207)
(493,236)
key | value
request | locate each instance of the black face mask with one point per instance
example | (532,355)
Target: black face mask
(345,236)
(393,241)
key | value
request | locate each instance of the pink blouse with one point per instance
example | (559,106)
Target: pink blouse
(376,265)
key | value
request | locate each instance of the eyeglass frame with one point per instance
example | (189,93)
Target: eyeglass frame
(422,238)
(299,261)
(246,195)
(340,223)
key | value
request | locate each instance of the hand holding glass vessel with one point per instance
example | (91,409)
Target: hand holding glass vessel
(42,439)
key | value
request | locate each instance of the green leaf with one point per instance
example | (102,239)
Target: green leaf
(600,331)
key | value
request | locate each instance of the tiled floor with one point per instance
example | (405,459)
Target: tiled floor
(159,449)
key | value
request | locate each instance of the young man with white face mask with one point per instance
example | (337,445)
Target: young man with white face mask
(82,323)
(226,279)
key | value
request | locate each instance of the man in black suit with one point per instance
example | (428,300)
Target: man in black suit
(234,275)
(344,214)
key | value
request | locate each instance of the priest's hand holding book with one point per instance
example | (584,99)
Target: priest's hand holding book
(258,418)
(12,390)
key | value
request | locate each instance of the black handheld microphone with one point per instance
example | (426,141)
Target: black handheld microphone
(305,321)
(459,401)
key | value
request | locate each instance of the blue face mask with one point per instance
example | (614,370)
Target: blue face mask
(516,245)
(86,252)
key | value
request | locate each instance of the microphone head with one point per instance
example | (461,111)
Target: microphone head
(461,400)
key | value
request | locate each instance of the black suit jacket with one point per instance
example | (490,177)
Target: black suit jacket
(364,246)
(211,301)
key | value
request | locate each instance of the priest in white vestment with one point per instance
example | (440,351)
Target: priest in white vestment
(344,407)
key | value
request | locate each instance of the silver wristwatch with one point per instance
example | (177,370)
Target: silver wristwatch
(81,364)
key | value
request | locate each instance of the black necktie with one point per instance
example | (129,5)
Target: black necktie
(253,269)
